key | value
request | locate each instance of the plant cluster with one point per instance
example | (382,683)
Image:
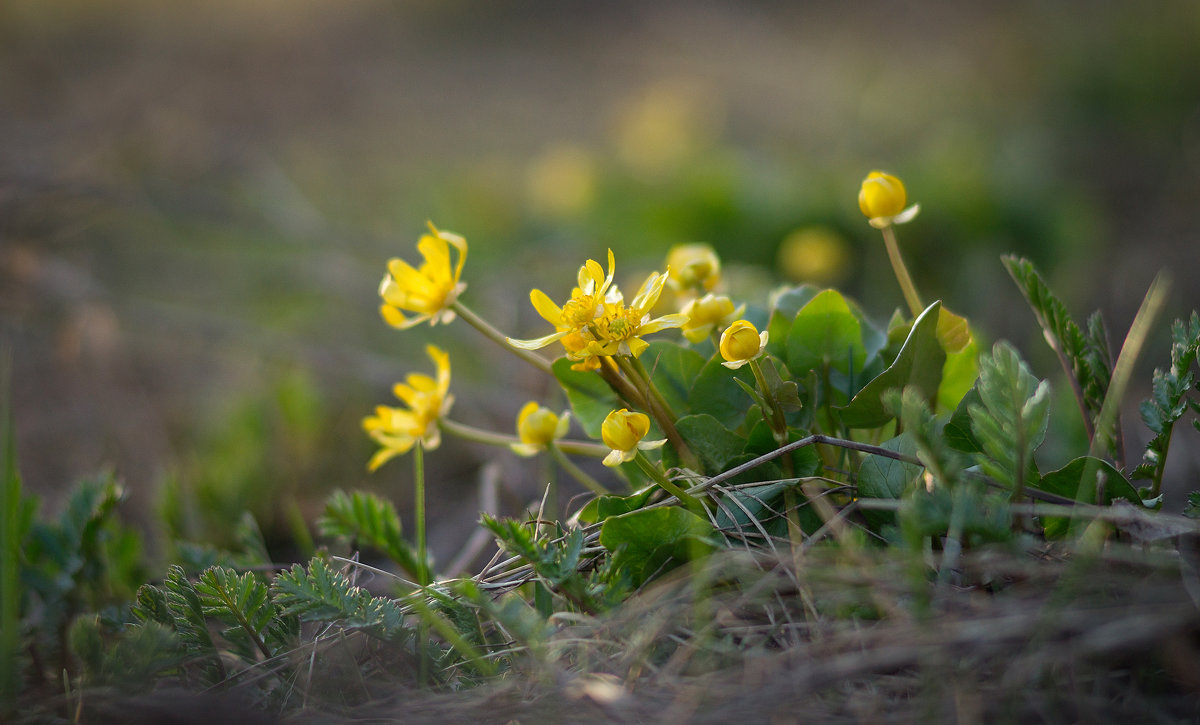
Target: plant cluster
(774,431)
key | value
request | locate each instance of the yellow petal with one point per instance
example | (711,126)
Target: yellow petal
(545,307)
(537,343)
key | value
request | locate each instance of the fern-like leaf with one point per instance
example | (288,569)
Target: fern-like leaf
(189,622)
(240,601)
(1169,400)
(320,593)
(1086,357)
(371,521)
(1010,421)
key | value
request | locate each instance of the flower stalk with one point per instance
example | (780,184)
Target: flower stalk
(499,338)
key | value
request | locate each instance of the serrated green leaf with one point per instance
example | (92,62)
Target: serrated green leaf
(370,520)
(1010,421)
(648,542)
(918,364)
(320,593)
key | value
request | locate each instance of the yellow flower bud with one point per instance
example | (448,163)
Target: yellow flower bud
(881,195)
(882,198)
(740,343)
(623,431)
(537,427)
(705,314)
(693,266)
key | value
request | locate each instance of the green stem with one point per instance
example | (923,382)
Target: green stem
(657,407)
(487,437)
(906,283)
(423,577)
(777,421)
(691,502)
(498,337)
(575,471)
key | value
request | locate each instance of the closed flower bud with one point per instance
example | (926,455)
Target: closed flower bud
(705,314)
(623,431)
(740,343)
(693,266)
(882,198)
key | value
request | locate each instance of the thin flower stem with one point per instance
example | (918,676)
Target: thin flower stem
(658,409)
(487,437)
(777,421)
(419,504)
(906,283)
(575,471)
(659,400)
(496,336)
(691,502)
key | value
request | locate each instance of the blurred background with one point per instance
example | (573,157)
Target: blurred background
(197,201)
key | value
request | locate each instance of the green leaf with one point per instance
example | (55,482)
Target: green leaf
(648,542)
(887,478)
(1079,480)
(958,432)
(1169,399)
(958,376)
(1086,357)
(188,619)
(805,461)
(826,332)
(238,600)
(1192,509)
(590,397)
(322,594)
(673,370)
(783,311)
(370,520)
(918,364)
(717,393)
(1011,419)
(714,444)
(603,507)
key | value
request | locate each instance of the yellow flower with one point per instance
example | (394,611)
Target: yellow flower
(397,430)
(882,198)
(537,427)
(576,344)
(815,254)
(619,328)
(587,301)
(740,343)
(693,266)
(706,313)
(623,431)
(428,291)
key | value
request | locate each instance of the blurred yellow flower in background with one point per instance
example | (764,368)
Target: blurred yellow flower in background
(537,427)
(561,181)
(427,291)
(706,314)
(814,254)
(623,431)
(397,430)
(693,266)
